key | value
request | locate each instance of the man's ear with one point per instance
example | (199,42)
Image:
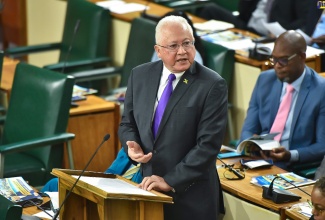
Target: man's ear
(157,49)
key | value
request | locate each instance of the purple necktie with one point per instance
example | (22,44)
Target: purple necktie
(162,104)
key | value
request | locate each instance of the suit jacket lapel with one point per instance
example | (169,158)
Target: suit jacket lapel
(184,83)
(277,87)
(302,95)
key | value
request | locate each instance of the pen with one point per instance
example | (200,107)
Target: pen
(309,203)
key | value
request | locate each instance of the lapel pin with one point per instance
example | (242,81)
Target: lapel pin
(185,81)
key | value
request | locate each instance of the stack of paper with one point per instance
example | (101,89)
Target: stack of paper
(120,7)
(212,26)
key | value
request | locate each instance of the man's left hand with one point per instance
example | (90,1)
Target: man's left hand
(156,183)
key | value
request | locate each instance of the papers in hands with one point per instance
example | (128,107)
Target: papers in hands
(276,29)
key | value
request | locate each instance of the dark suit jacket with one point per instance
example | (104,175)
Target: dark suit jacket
(307,133)
(291,14)
(189,137)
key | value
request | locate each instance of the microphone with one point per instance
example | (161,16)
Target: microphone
(106,137)
(281,195)
(76,27)
(238,174)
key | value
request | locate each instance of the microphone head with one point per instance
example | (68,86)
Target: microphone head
(106,137)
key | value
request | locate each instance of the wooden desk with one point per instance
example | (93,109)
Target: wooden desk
(90,122)
(243,200)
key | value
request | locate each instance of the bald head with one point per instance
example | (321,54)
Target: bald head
(292,40)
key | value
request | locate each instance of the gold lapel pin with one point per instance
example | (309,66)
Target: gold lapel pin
(185,81)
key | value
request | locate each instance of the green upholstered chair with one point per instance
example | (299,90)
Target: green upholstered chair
(221,60)
(2,108)
(9,210)
(231,5)
(34,131)
(307,170)
(83,46)
(139,50)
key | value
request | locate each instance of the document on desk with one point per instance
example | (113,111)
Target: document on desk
(212,26)
(121,7)
(117,186)
(230,39)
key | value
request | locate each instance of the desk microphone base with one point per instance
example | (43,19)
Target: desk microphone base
(279,195)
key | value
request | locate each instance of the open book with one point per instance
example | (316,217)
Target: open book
(257,143)
(17,190)
(250,146)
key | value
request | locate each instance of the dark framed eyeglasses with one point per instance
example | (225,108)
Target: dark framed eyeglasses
(175,47)
(281,61)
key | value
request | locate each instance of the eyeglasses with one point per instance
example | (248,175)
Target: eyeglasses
(319,210)
(175,47)
(281,61)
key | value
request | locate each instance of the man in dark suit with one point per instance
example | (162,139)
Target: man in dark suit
(291,14)
(180,160)
(303,136)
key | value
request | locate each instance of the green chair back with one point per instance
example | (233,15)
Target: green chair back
(220,59)
(91,39)
(231,5)
(140,46)
(39,107)
(9,210)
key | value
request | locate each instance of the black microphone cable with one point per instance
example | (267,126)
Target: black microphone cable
(230,168)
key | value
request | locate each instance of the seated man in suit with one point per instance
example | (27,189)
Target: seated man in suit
(302,135)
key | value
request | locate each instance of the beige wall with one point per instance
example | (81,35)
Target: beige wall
(45,20)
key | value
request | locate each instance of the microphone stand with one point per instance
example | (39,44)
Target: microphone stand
(106,137)
(76,27)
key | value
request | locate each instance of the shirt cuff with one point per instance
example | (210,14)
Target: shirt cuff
(294,156)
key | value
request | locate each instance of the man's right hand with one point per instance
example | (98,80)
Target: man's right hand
(135,152)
